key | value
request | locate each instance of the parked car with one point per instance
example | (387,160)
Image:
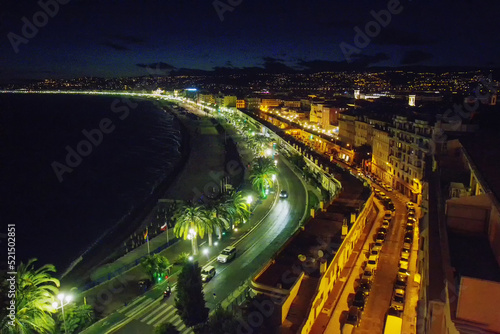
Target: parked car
(371,263)
(380,237)
(368,275)
(365,286)
(407,245)
(353,316)
(410,205)
(405,253)
(382,230)
(403,273)
(207,273)
(359,300)
(398,299)
(388,188)
(403,263)
(374,253)
(385,224)
(409,228)
(145,284)
(401,282)
(388,215)
(377,246)
(227,254)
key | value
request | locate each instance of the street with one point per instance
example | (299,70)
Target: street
(253,251)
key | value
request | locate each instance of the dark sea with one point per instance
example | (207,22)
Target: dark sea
(62,205)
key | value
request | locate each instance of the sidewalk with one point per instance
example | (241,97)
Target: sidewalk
(107,297)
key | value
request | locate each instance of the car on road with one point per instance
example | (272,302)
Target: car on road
(371,264)
(403,263)
(207,273)
(377,246)
(227,254)
(380,237)
(382,230)
(353,316)
(283,194)
(405,253)
(145,284)
(388,188)
(408,238)
(403,273)
(365,286)
(398,299)
(400,282)
(374,253)
(359,300)
(368,275)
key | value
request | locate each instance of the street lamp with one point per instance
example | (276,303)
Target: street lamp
(65,300)
(249,199)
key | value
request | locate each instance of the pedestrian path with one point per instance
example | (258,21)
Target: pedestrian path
(160,314)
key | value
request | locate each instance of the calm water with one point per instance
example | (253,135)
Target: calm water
(58,217)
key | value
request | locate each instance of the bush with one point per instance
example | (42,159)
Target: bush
(182,258)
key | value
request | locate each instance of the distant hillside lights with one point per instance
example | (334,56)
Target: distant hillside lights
(40,20)
(372,29)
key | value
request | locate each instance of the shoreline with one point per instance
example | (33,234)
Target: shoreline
(78,273)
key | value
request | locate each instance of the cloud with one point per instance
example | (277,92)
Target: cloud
(156,68)
(275,65)
(401,38)
(134,40)
(359,62)
(415,56)
(115,46)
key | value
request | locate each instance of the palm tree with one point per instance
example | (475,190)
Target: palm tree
(237,207)
(218,215)
(262,173)
(258,143)
(156,265)
(35,293)
(191,221)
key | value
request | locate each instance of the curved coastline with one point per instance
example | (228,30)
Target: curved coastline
(99,253)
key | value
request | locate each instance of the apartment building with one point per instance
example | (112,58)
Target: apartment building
(240,104)
(252,103)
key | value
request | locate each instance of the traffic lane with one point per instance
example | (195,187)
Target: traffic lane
(380,297)
(254,251)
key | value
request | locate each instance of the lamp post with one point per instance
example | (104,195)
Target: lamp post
(63,298)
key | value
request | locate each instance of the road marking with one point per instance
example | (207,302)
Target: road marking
(170,310)
(122,310)
(138,309)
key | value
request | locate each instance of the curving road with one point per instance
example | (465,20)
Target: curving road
(253,251)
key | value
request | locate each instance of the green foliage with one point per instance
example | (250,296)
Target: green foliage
(298,160)
(35,293)
(77,318)
(166,328)
(195,217)
(182,258)
(156,265)
(190,301)
(261,173)
(237,207)
(220,322)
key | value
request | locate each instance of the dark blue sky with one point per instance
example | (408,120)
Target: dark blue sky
(110,37)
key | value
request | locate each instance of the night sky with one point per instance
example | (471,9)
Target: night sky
(113,38)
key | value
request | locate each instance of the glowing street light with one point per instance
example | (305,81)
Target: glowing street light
(249,199)
(65,300)
(273,177)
